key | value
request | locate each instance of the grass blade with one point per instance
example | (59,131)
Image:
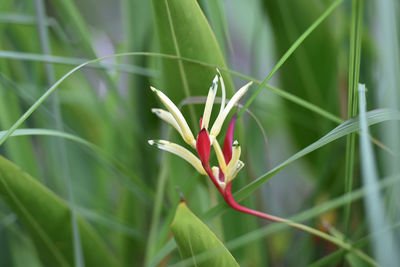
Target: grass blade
(385,247)
(290,51)
(354,72)
(63,158)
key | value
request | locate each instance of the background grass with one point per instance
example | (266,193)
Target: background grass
(81,131)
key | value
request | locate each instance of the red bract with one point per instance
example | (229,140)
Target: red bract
(227,149)
(203,147)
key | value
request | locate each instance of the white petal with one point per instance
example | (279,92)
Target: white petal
(179,151)
(223,96)
(220,156)
(168,118)
(176,113)
(209,103)
(216,128)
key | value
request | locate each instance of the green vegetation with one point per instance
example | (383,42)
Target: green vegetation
(318,130)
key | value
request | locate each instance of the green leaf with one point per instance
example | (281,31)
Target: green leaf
(184,31)
(194,237)
(309,73)
(48,219)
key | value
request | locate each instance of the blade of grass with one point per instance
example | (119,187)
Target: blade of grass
(290,51)
(23,19)
(343,129)
(354,72)
(110,223)
(76,61)
(384,246)
(61,148)
(388,80)
(141,190)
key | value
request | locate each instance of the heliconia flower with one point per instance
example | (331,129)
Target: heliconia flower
(226,170)
(228,158)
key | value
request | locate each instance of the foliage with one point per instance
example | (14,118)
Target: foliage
(80,186)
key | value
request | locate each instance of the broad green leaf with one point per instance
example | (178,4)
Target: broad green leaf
(183,31)
(194,237)
(48,219)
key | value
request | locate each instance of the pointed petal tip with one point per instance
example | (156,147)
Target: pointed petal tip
(249,84)
(157,143)
(155,111)
(153,89)
(215,80)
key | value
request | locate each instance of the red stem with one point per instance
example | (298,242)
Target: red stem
(227,194)
(231,202)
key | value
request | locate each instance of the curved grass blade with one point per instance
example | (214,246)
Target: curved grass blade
(352,125)
(46,217)
(111,223)
(76,61)
(290,51)
(141,190)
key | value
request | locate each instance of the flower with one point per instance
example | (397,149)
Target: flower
(229,163)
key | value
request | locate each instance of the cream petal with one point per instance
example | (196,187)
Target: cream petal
(168,118)
(220,156)
(232,168)
(179,151)
(216,128)
(223,96)
(234,171)
(176,113)
(209,103)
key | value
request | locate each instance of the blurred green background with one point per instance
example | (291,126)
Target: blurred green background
(81,186)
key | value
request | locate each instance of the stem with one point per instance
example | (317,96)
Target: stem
(231,202)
